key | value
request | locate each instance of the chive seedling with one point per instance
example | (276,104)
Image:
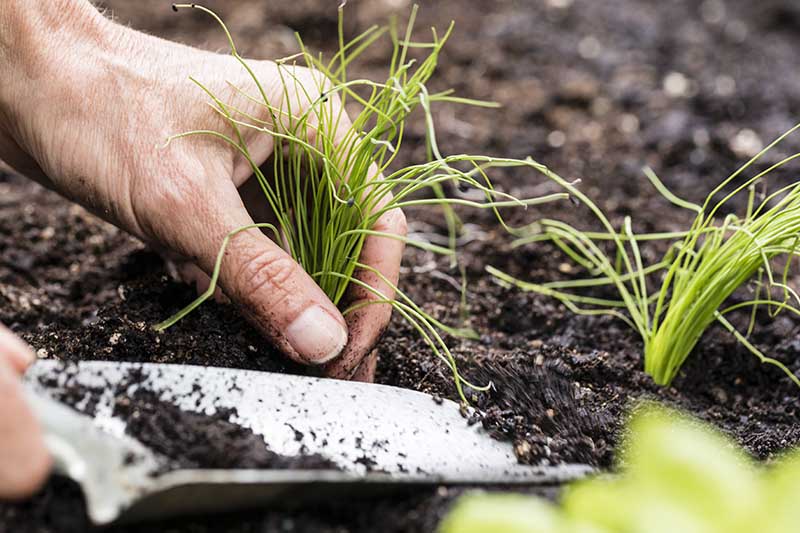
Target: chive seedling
(328,189)
(700,271)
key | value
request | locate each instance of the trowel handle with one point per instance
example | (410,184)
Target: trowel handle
(64,430)
(112,471)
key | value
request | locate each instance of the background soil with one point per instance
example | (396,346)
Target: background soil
(595,90)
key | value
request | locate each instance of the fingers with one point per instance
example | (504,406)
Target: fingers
(366,370)
(24,460)
(281,298)
(18,354)
(271,289)
(367,323)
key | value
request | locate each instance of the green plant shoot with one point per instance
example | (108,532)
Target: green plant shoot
(670,303)
(328,190)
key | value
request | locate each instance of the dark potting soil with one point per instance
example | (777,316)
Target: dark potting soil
(199,440)
(187,439)
(196,440)
(59,508)
(594,89)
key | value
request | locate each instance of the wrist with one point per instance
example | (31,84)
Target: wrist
(36,36)
(23,24)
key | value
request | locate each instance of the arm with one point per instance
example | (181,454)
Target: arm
(86,106)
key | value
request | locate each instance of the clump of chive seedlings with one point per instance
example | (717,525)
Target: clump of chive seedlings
(324,195)
(702,268)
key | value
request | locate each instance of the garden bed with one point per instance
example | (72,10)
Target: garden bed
(593,89)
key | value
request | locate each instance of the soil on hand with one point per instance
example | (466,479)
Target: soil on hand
(596,90)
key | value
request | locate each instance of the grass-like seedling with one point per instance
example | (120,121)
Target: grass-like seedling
(670,303)
(328,189)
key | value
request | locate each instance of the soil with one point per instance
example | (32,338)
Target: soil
(186,439)
(195,440)
(595,90)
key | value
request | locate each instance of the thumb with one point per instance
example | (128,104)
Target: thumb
(272,290)
(277,295)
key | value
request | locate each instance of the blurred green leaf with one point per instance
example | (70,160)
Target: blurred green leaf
(676,475)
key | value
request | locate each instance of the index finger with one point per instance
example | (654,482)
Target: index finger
(382,255)
(367,322)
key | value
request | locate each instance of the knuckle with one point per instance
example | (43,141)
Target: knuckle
(318,92)
(168,199)
(316,81)
(401,223)
(322,88)
(174,195)
(177,194)
(393,221)
(268,269)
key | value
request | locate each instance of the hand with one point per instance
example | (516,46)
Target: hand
(24,460)
(85,108)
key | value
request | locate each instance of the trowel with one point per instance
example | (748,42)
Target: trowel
(413,439)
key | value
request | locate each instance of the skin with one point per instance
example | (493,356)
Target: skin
(85,108)
(24,460)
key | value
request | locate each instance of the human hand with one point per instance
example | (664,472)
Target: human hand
(24,460)
(85,108)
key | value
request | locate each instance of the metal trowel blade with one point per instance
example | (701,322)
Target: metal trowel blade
(375,433)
